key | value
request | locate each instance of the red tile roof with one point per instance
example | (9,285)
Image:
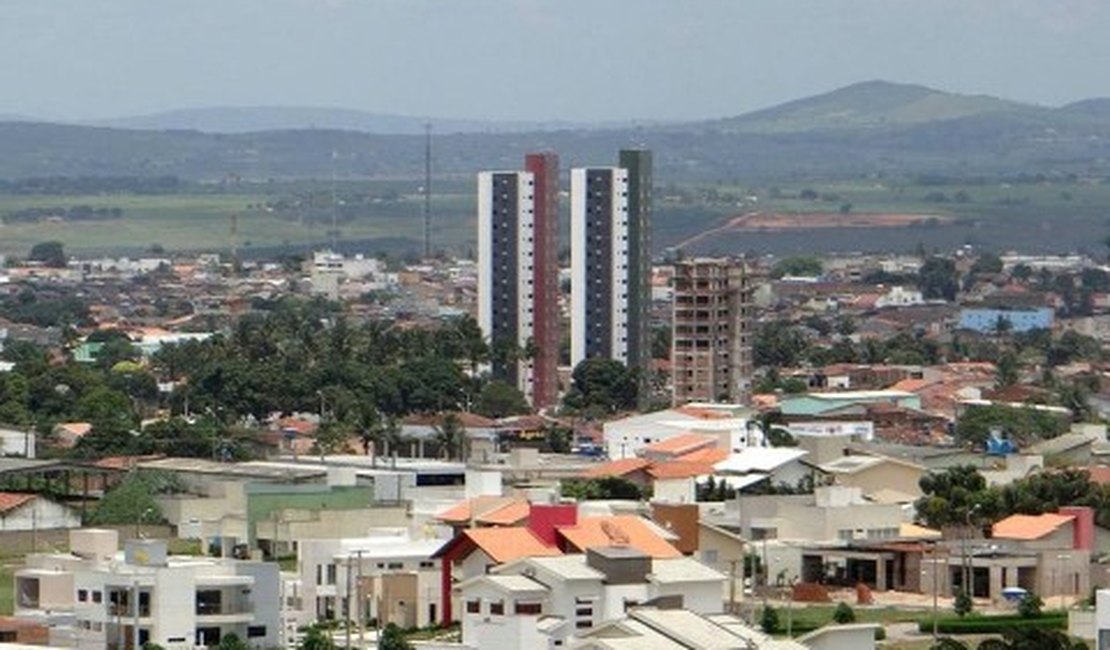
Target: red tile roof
(681,444)
(622,467)
(1029,527)
(11,500)
(679,469)
(706,456)
(500,544)
(621,530)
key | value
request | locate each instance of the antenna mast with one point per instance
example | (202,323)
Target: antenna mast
(427,191)
(334,203)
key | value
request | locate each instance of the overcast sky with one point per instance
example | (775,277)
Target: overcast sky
(534,59)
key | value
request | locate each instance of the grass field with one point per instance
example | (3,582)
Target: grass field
(1034,217)
(191,222)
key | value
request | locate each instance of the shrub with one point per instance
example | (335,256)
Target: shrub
(994,624)
(1030,606)
(769,620)
(843,614)
(963,604)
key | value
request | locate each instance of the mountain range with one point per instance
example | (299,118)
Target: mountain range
(866,128)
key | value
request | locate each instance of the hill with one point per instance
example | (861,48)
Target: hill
(281,118)
(864,129)
(870,105)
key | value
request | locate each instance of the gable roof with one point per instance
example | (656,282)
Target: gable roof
(12,500)
(683,443)
(622,467)
(712,456)
(679,469)
(500,544)
(489,510)
(1029,527)
(593,532)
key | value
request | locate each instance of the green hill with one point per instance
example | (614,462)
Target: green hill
(870,105)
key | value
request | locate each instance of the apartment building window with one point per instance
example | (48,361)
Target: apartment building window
(473,607)
(82,595)
(332,570)
(255,631)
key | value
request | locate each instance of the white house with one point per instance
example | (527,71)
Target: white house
(900,297)
(113,600)
(544,602)
(14,442)
(732,425)
(20,511)
(393,574)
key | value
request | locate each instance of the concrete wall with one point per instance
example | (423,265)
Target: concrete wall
(40,514)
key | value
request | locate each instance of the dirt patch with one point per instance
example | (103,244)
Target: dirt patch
(772,221)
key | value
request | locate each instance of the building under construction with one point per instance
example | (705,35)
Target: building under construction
(711,343)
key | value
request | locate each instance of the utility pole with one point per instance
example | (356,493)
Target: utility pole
(348,599)
(427,191)
(135,610)
(358,590)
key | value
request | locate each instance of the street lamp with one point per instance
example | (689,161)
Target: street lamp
(139,523)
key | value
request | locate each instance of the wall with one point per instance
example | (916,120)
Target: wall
(886,475)
(40,514)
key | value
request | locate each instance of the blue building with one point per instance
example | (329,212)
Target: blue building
(985,321)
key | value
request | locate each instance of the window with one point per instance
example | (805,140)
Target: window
(583,613)
(97,597)
(427,564)
(82,595)
(209,601)
(709,556)
(473,607)
(497,608)
(332,569)
(255,631)
(528,609)
(396,565)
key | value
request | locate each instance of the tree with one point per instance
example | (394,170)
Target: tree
(607,487)
(231,641)
(843,614)
(130,502)
(316,639)
(49,253)
(450,436)
(797,266)
(393,639)
(604,386)
(938,279)
(498,399)
(962,605)
(778,344)
(1007,369)
(1022,424)
(769,620)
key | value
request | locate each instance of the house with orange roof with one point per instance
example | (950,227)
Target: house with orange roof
(679,445)
(68,434)
(484,511)
(630,469)
(625,530)
(26,511)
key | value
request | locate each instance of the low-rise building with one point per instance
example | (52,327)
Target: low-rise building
(116,601)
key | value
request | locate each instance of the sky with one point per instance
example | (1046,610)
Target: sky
(578,60)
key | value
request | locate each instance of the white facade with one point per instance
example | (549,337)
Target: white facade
(113,600)
(627,437)
(399,581)
(14,442)
(900,297)
(548,602)
(39,513)
(615,275)
(523,264)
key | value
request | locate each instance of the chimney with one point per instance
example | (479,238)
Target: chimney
(1083,527)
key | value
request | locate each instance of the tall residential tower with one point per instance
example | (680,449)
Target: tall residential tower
(611,260)
(518,275)
(711,347)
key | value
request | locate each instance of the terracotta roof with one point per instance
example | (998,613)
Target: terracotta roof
(681,444)
(1029,527)
(679,469)
(467,420)
(508,515)
(711,456)
(702,413)
(477,508)
(76,429)
(622,467)
(11,500)
(500,544)
(592,532)
(912,385)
